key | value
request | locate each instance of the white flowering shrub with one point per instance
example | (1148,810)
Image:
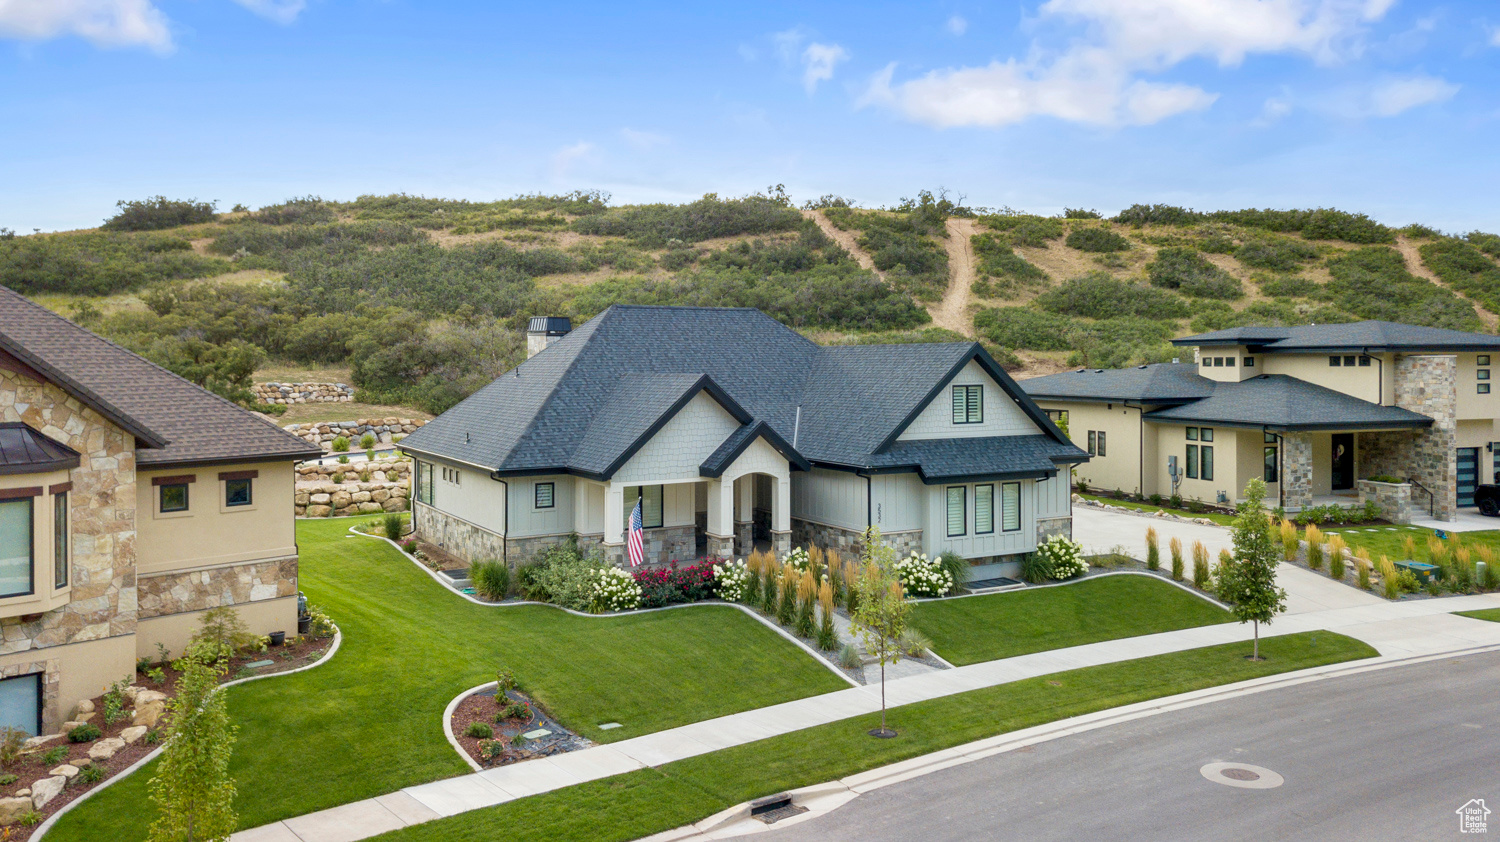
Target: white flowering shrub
(1063,558)
(613,590)
(797,558)
(730,579)
(923,576)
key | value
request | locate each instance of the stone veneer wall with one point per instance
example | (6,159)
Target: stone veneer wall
(102,510)
(1429,385)
(807,533)
(1393,499)
(1296,471)
(1048,526)
(289,393)
(323,433)
(175,593)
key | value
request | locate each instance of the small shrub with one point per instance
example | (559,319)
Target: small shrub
(90,774)
(340,444)
(394,525)
(322,624)
(479,731)
(491,749)
(370,454)
(152,737)
(367,441)
(222,633)
(11,740)
(364,476)
(491,579)
(7,780)
(1096,239)
(505,681)
(53,756)
(338,477)
(114,703)
(514,710)
(30,818)
(913,643)
(849,657)
(1062,557)
(1153,549)
(87,732)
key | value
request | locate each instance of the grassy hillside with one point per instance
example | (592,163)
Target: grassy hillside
(423,300)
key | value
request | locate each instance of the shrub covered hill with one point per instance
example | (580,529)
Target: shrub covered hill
(424,300)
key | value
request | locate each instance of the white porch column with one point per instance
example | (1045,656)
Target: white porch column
(721,518)
(614,522)
(781,516)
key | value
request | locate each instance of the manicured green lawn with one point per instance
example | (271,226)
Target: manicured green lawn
(1216,517)
(1383,541)
(1490,614)
(1003,625)
(370,721)
(653,800)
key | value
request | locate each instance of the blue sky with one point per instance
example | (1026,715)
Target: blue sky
(1390,108)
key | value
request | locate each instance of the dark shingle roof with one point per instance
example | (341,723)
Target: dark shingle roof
(584,403)
(1355,336)
(997,457)
(1280,402)
(26,451)
(174,422)
(1157,383)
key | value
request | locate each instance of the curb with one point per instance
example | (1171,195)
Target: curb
(338,639)
(448,586)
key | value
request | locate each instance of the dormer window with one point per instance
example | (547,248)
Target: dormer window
(968,404)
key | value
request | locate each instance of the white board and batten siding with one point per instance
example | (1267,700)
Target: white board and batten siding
(469,494)
(1036,500)
(527,520)
(897,502)
(1002,417)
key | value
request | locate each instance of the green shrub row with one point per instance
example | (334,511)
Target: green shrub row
(1317,224)
(1282,254)
(1099,295)
(1465,268)
(1105,343)
(1373,283)
(1096,239)
(710,217)
(1189,272)
(1025,229)
(902,246)
(157,213)
(99,262)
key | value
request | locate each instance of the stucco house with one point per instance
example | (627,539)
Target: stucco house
(734,431)
(130,502)
(1315,411)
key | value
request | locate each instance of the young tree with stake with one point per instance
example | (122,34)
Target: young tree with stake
(882,610)
(192,789)
(1249,583)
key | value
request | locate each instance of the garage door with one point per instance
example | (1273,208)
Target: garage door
(1468,474)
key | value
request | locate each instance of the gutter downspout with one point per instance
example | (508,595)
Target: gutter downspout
(505,515)
(1140,453)
(1280,468)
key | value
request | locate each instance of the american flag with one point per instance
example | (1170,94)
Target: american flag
(634,544)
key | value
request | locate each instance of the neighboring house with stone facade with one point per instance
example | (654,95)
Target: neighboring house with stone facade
(1315,411)
(130,502)
(734,432)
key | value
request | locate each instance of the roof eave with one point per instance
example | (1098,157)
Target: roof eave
(126,422)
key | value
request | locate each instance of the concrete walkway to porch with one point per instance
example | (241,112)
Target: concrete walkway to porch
(1396,630)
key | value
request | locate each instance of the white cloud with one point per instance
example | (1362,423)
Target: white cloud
(1273,110)
(1495,37)
(957,25)
(1394,96)
(281,11)
(1099,78)
(818,61)
(643,140)
(106,23)
(787,42)
(564,158)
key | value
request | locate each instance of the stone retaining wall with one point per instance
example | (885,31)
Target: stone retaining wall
(381,470)
(323,433)
(1393,498)
(331,499)
(286,393)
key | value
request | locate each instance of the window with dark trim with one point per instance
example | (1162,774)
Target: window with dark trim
(237,492)
(1101,442)
(1206,361)
(545,495)
(1092,444)
(424,482)
(1010,507)
(968,404)
(174,497)
(1192,461)
(1335,361)
(1206,468)
(1364,361)
(60,540)
(17,547)
(1191,433)
(1484,388)
(1270,475)
(651,505)
(1249,362)
(1205,433)
(1482,374)
(1349,360)
(1229,361)
(958,501)
(1482,359)
(984,509)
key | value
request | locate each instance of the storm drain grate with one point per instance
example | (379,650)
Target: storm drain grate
(779,813)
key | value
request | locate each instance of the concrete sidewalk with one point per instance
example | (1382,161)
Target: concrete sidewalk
(1395,629)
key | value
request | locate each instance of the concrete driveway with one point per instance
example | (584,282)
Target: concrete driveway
(1100,531)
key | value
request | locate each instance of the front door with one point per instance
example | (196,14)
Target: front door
(1343,461)
(1468,474)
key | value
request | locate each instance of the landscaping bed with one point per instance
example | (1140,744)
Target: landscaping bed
(111,732)
(507,722)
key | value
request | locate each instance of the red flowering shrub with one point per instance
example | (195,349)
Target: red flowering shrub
(672,584)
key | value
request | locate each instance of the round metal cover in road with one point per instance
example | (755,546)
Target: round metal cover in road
(1242,775)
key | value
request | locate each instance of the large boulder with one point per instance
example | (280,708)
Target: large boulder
(46,789)
(12,809)
(318,511)
(148,714)
(368,508)
(85,706)
(67,770)
(106,748)
(146,697)
(133,733)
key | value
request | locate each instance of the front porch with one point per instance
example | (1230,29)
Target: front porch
(1407,474)
(727,517)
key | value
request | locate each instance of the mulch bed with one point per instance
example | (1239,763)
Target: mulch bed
(33,766)
(482,707)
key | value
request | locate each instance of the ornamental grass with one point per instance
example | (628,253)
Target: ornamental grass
(828,638)
(1289,540)
(1388,578)
(1314,537)
(1200,569)
(1175,546)
(1200,557)
(807,595)
(786,607)
(1153,549)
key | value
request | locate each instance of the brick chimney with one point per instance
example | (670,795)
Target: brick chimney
(543,331)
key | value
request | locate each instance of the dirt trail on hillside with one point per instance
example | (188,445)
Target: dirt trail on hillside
(1414,265)
(847,239)
(953,311)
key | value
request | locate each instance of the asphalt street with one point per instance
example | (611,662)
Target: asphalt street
(1385,755)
